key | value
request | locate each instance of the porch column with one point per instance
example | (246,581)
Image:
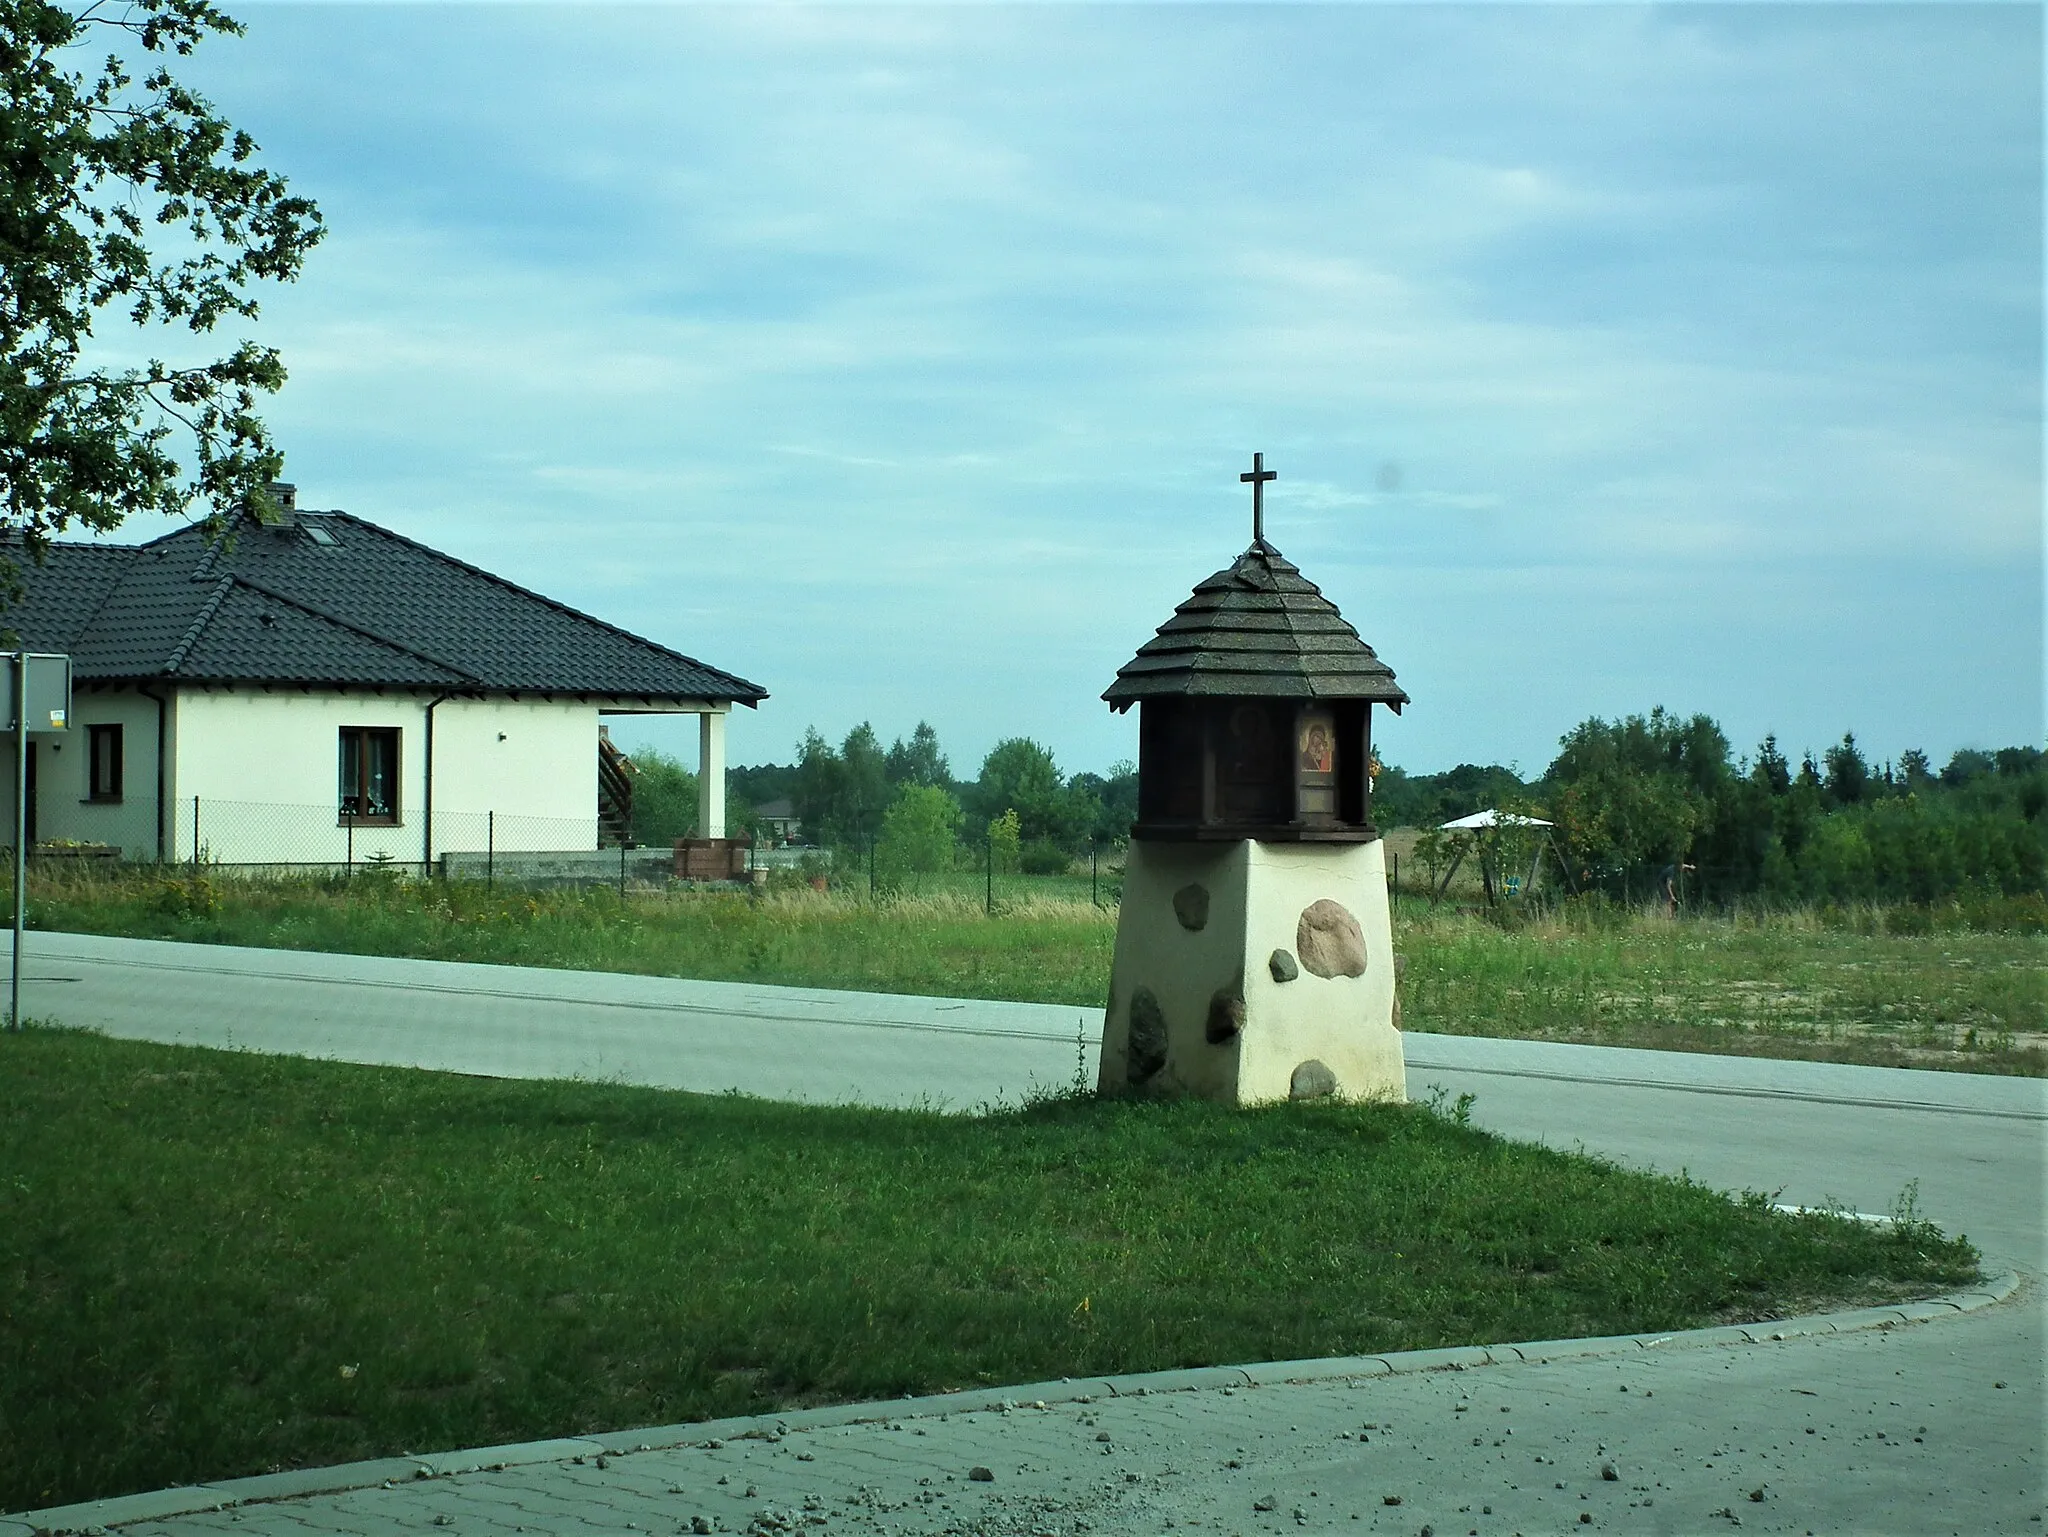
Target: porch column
(711,774)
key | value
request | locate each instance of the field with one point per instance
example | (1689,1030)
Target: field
(218,1263)
(1797,984)
(1950,988)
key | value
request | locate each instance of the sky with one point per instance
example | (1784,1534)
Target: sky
(904,360)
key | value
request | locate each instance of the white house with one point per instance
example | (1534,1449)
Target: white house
(323,689)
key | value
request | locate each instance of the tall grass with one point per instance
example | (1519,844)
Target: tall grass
(1922,987)
(1040,944)
(1800,983)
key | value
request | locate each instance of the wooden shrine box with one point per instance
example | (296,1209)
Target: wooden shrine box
(1255,712)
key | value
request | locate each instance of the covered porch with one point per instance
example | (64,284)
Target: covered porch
(615,779)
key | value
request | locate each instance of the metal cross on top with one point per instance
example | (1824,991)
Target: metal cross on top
(1257,476)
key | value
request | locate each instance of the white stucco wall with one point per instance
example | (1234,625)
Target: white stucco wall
(531,764)
(1257,893)
(1346,1023)
(264,768)
(62,777)
(517,774)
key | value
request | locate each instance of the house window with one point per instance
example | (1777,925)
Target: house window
(369,773)
(103,763)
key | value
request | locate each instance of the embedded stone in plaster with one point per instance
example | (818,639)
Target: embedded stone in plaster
(1145,1054)
(1191,906)
(1226,1013)
(1312,1080)
(1281,964)
(1329,940)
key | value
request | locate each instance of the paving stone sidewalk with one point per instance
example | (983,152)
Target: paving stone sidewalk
(1873,1421)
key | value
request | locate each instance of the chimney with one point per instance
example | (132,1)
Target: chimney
(286,496)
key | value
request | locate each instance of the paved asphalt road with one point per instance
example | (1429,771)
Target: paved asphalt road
(1929,1427)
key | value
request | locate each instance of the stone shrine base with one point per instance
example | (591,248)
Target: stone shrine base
(1249,972)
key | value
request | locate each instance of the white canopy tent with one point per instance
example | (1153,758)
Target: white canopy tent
(1490,818)
(1487,821)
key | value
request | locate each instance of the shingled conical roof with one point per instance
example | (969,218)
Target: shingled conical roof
(1260,628)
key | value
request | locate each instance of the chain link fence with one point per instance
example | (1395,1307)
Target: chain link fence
(283,838)
(92,831)
(977,873)
(260,836)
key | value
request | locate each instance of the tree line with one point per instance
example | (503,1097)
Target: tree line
(905,801)
(903,805)
(1645,796)
(1629,798)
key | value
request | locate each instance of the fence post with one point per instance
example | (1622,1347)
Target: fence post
(348,820)
(1093,900)
(622,867)
(195,836)
(490,851)
(871,867)
(988,873)
(21,810)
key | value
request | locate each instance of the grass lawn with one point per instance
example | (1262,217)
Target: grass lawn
(1906,987)
(1785,985)
(218,1263)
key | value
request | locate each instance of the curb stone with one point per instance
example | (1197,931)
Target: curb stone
(98,1516)
(1274,1373)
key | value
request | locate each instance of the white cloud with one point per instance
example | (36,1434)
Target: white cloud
(949,329)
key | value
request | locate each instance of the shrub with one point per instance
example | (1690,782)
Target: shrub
(918,832)
(192,897)
(1041,856)
(664,799)
(2023,913)
(1003,851)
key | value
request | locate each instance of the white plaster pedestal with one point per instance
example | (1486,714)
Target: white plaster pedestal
(1249,972)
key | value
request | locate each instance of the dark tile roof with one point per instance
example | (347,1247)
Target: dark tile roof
(330,599)
(1260,628)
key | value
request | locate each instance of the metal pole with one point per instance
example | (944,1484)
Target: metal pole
(20,833)
(871,867)
(622,867)
(348,819)
(1093,900)
(195,837)
(490,851)
(988,873)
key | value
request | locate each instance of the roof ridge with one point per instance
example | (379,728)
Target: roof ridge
(176,533)
(216,548)
(199,623)
(355,629)
(553,603)
(132,552)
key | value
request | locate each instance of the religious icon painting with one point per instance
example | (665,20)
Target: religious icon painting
(1316,765)
(1318,743)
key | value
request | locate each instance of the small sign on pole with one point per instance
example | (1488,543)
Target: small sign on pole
(36,698)
(48,691)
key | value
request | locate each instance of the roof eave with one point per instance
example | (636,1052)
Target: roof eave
(1125,692)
